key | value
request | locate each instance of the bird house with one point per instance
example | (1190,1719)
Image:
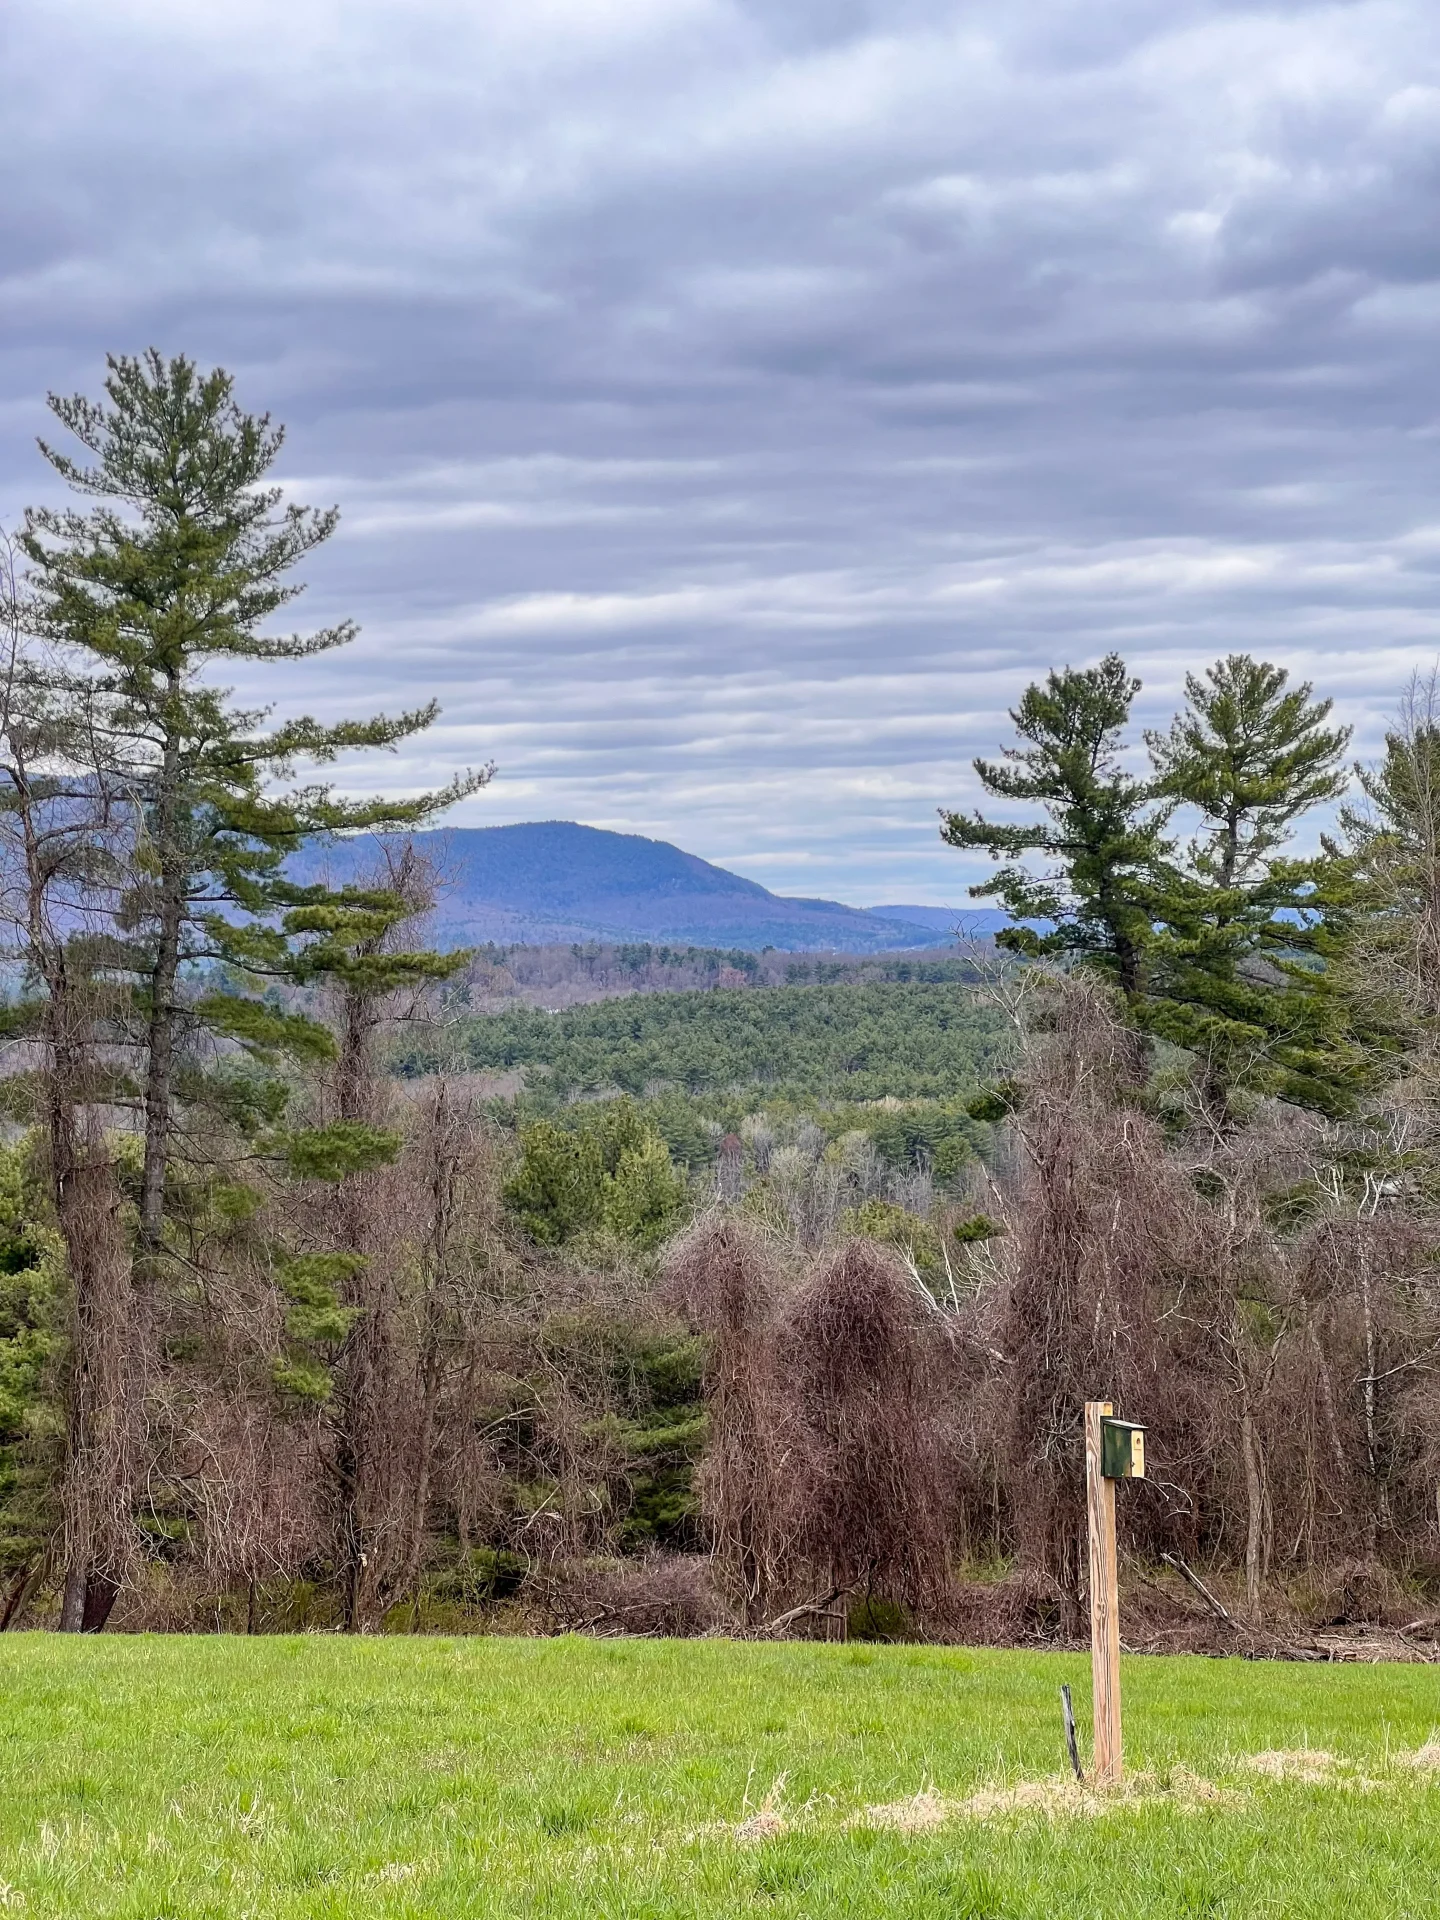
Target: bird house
(1122,1450)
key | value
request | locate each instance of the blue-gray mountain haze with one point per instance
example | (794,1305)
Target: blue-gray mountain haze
(544,882)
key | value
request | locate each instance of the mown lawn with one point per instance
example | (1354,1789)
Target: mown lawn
(321,1777)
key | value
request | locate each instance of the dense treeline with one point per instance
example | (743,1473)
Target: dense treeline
(767,1306)
(899,1040)
(556,977)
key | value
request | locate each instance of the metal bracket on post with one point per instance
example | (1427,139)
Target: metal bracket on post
(1104,1600)
(1072,1745)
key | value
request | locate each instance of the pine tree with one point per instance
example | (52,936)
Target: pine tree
(610,1169)
(1396,837)
(1242,957)
(177,570)
(196,804)
(1252,757)
(355,950)
(1103,831)
(1393,972)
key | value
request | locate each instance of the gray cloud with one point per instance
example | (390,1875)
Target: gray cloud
(733,404)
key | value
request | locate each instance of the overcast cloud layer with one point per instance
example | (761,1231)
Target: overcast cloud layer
(733,402)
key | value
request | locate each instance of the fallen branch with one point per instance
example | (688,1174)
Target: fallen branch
(784,1620)
(1188,1573)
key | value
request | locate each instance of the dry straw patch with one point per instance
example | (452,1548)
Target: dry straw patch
(767,1820)
(393,1872)
(1061,1798)
(761,1825)
(1310,1766)
(928,1809)
(1058,1798)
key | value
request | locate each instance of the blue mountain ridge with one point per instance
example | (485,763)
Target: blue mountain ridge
(554,881)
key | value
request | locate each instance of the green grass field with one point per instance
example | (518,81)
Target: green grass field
(153,1777)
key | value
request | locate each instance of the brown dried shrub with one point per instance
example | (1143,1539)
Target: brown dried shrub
(1354,1415)
(724,1277)
(1102,1230)
(862,1359)
(669,1596)
(1026,1608)
(1354,1592)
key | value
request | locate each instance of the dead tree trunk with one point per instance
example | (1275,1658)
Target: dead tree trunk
(99,1466)
(1254,1509)
(443,1142)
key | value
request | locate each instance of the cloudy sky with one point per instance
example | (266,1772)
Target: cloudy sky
(733,402)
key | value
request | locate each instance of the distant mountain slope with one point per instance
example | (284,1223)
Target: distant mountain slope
(553,881)
(946,919)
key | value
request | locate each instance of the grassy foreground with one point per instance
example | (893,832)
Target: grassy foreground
(153,1777)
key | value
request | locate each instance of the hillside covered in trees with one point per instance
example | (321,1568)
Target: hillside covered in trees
(911,1040)
(339,1289)
(499,978)
(555,880)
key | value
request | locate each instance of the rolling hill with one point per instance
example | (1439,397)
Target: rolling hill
(554,881)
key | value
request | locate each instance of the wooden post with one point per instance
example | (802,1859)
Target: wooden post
(1104,1602)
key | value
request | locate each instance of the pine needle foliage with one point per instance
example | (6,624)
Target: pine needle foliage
(1228,947)
(608,1170)
(1240,956)
(177,569)
(1100,834)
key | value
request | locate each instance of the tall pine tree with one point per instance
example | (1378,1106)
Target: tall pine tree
(1393,972)
(1241,969)
(176,571)
(1102,836)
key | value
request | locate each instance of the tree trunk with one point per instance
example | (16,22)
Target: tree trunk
(837,1613)
(362,1375)
(373,1402)
(1254,1509)
(101,1593)
(420,1503)
(98,1475)
(1372,1444)
(351,1540)
(160,1042)
(443,1142)
(72,1604)
(99,1467)
(160,1036)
